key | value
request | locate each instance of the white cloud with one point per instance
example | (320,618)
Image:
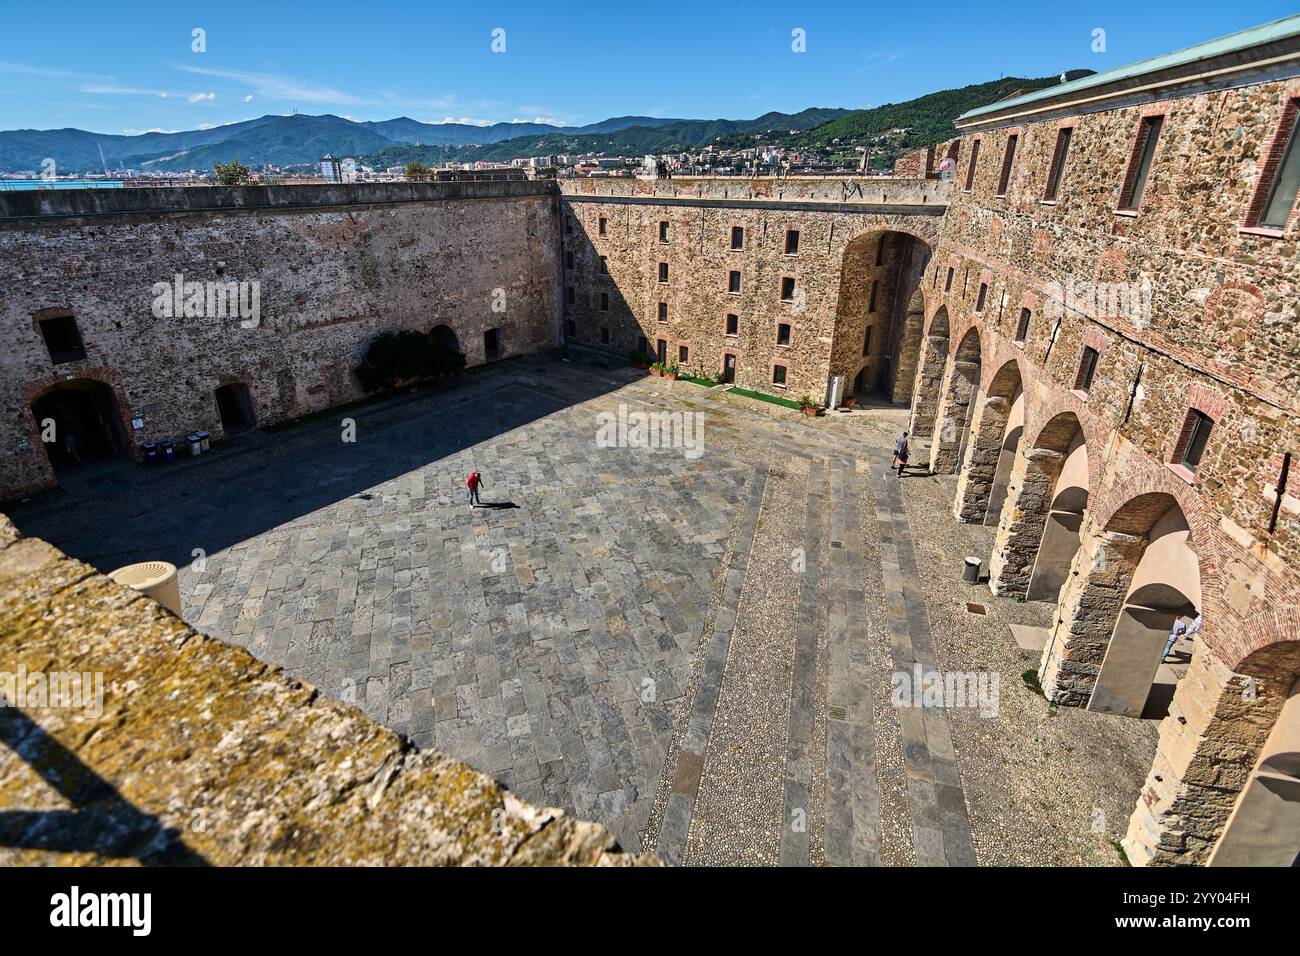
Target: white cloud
(248,98)
(141,132)
(205,126)
(24,69)
(202,97)
(544,120)
(276,87)
(109,90)
(463,120)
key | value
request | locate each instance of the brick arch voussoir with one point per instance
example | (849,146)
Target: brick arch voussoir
(1270,645)
(1039,414)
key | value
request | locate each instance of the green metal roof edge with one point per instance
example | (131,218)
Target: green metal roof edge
(1241,40)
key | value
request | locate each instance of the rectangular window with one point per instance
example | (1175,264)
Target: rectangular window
(663,230)
(1087,368)
(733,281)
(791,242)
(778,374)
(875,289)
(571,328)
(947,284)
(1058,163)
(1022,327)
(1008,159)
(783,333)
(604,302)
(663,311)
(604,334)
(604,266)
(661,350)
(866,342)
(737,237)
(62,339)
(787,288)
(663,272)
(733,324)
(970,167)
(570,295)
(1139,168)
(1286,175)
(979,299)
(1191,442)
(568,260)
(880,251)
(568,225)
(683,354)
(602,224)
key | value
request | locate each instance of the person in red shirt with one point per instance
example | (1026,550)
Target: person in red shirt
(473,483)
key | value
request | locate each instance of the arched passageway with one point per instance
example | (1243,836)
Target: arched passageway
(236,408)
(994,437)
(880,316)
(79,421)
(929,375)
(1165,591)
(1132,582)
(444,336)
(1038,534)
(961,382)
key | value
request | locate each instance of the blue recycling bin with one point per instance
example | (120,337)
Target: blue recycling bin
(167,449)
(150,450)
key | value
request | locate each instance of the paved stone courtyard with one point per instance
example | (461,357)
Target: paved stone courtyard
(697,652)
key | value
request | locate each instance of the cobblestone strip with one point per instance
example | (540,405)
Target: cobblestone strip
(670,818)
(737,816)
(941,829)
(800,798)
(852,793)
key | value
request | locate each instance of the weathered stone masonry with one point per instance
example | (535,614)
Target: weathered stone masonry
(334,266)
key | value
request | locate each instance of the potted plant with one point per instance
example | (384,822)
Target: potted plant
(640,360)
(657,368)
(670,371)
(809,407)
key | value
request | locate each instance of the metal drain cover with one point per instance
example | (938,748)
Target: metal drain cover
(976,608)
(839,713)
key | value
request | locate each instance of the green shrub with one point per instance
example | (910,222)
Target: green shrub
(402,358)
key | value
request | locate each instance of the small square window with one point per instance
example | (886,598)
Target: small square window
(663,230)
(62,339)
(737,237)
(783,333)
(733,324)
(778,374)
(604,266)
(683,354)
(663,272)
(663,311)
(792,242)
(1192,439)
(787,288)
(733,281)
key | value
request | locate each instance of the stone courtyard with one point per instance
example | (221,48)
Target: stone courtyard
(695,651)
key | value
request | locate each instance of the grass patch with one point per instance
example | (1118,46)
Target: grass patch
(764,397)
(706,382)
(1119,848)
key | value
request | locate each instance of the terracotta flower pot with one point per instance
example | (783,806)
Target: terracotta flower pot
(810,410)
(671,376)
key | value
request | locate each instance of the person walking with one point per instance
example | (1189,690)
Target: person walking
(900,453)
(473,483)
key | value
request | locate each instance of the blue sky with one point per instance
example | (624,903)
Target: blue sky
(117,68)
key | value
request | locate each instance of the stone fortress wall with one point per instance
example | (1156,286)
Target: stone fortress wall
(1112,377)
(334,266)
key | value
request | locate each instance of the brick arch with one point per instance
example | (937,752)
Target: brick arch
(1273,645)
(1095,434)
(928,236)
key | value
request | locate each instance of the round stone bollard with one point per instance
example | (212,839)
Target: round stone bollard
(970,572)
(154,578)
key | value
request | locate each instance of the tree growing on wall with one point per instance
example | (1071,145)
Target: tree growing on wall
(233,173)
(417,171)
(394,359)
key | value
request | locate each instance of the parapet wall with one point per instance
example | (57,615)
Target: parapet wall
(737,189)
(198,753)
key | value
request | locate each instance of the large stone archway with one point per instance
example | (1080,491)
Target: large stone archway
(1041,511)
(961,382)
(995,432)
